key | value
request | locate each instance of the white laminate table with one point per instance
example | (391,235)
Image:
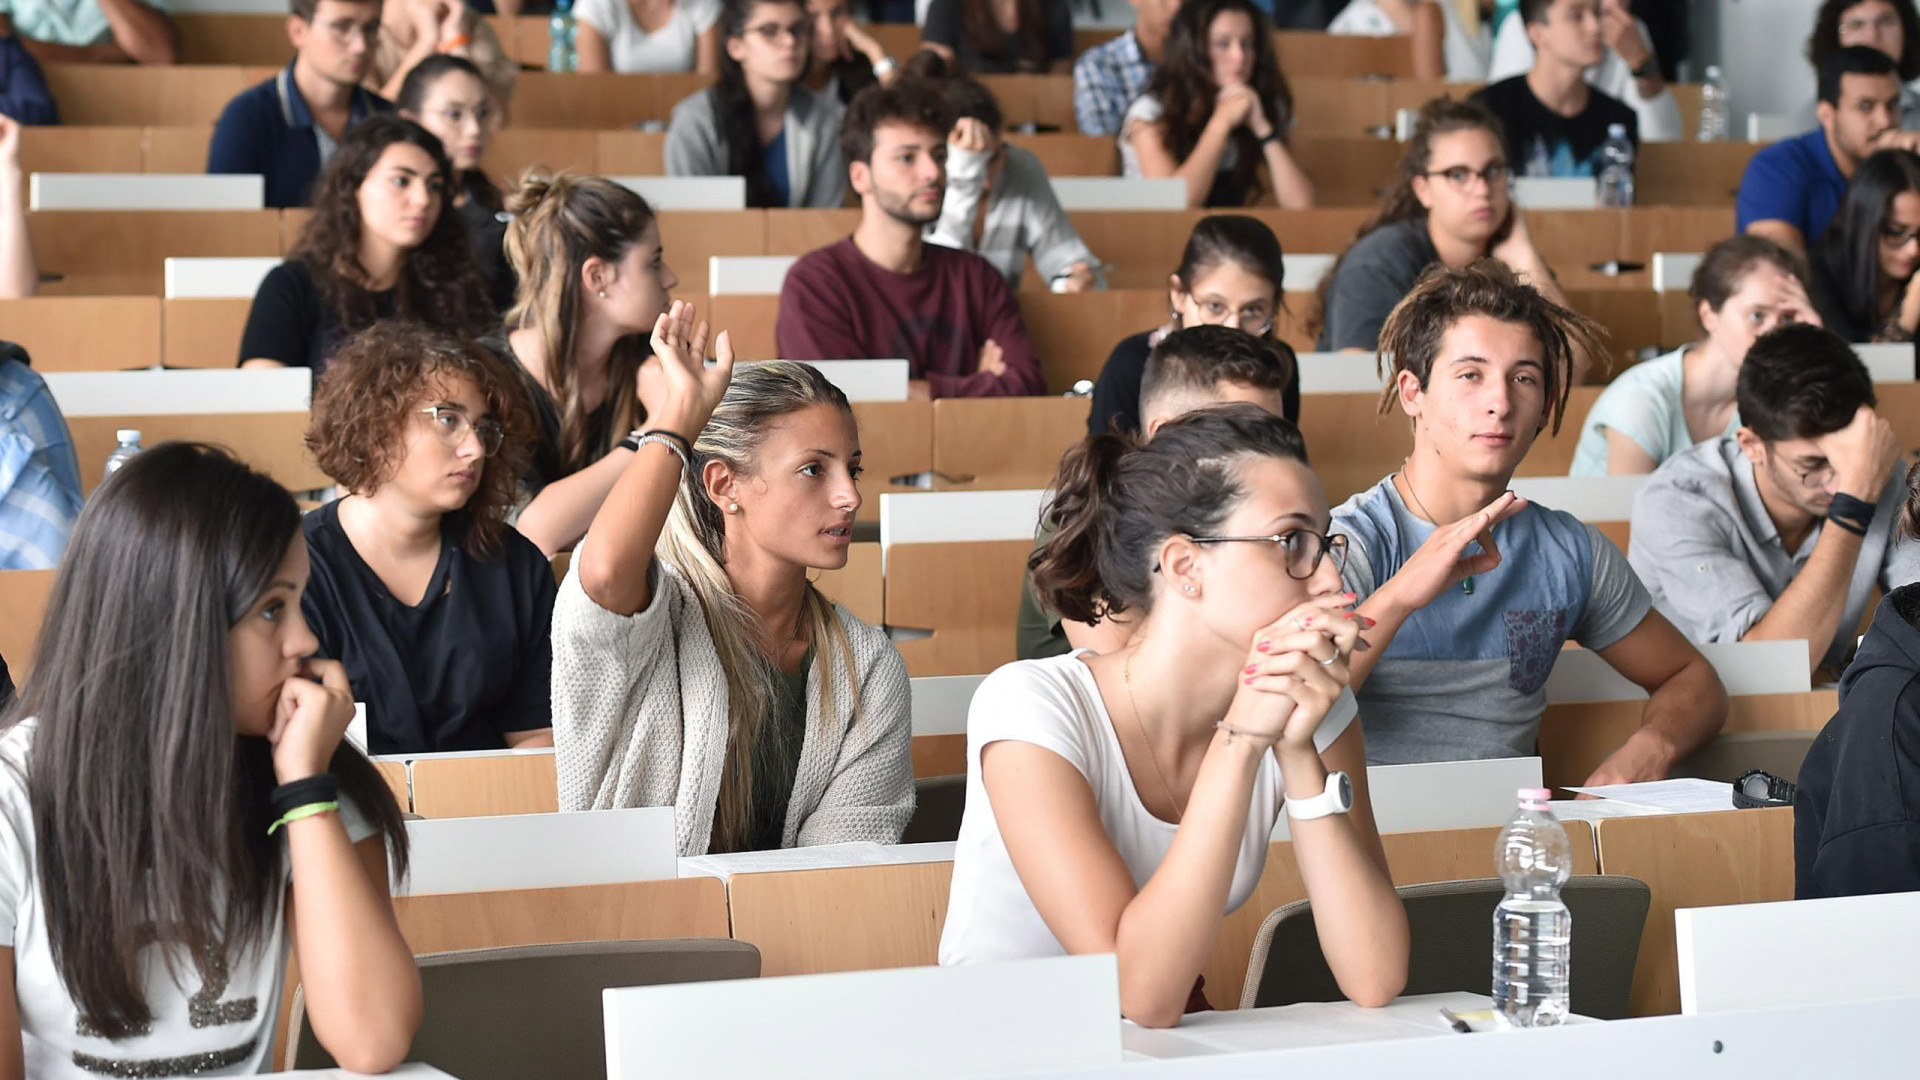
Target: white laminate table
(1296,1027)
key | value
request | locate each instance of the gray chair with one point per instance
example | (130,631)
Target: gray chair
(939,802)
(1452,932)
(534,1010)
(1727,756)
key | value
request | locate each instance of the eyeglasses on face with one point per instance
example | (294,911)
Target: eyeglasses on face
(453,426)
(1461,177)
(771,33)
(1301,548)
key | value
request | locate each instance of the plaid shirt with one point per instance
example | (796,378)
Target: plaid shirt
(39,474)
(1106,79)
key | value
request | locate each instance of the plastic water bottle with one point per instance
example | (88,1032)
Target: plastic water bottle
(561,55)
(1616,168)
(1539,162)
(1532,931)
(129,439)
(1713,107)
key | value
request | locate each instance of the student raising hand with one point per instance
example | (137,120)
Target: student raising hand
(679,391)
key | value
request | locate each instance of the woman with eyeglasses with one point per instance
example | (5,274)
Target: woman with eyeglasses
(632,36)
(438,609)
(1231,274)
(1123,802)
(757,120)
(1863,265)
(448,96)
(1451,204)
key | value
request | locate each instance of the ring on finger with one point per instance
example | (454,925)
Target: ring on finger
(1331,660)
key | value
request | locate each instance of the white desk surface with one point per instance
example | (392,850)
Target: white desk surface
(1296,1027)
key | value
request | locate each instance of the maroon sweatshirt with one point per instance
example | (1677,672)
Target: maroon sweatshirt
(837,305)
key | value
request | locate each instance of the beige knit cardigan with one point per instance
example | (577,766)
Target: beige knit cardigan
(640,719)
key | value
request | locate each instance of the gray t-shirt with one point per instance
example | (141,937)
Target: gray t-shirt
(1707,548)
(1376,273)
(1466,676)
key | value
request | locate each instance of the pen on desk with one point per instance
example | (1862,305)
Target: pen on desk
(1455,1022)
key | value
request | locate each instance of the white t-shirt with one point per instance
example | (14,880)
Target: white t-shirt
(1146,109)
(670,48)
(1055,704)
(211,1030)
(1464,51)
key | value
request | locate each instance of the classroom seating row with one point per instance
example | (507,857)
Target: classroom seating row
(122,253)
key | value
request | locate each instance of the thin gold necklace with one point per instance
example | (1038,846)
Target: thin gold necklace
(1466,583)
(1126,674)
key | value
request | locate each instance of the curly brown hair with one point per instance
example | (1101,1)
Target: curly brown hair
(369,393)
(1184,85)
(441,282)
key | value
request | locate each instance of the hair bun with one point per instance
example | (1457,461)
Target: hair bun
(536,186)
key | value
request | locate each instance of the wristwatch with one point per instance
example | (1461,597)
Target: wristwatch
(1336,799)
(1648,67)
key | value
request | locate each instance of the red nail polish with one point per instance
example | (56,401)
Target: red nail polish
(1368,623)
(1248,680)
(1263,646)
(1250,669)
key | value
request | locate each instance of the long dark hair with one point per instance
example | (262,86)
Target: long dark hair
(1441,116)
(149,809)
(984,36)
(413,95)
(1846,260)
(1116,498)
(1184,86)
(441,282)
(733,108)
(1825,39)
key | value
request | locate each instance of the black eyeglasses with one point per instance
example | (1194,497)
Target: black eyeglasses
(1462,177)
(1303,549)
(771,33)
(452,426)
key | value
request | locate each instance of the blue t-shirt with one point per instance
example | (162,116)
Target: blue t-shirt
(775,167)
(1466,676)
(1795,181)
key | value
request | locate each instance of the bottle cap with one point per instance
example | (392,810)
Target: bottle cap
(1535,795)
(127,434)
(1616,131)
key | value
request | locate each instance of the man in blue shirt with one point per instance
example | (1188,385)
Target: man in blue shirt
(39,474)
(1792,188)
(1108,77)
(286,128)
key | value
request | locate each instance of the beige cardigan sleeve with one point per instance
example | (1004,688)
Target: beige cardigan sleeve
(605,753)
(871,794)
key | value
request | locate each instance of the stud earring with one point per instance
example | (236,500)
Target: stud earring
(1189,589)
(733,508)
(602,294)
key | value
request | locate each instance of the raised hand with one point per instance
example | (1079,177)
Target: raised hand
(1296,669)
(970,134)
(9,142)
(678,389)
(310,720)
(1442,562)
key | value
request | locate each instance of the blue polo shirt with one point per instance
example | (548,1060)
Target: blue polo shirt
(269,130)
(1795,181)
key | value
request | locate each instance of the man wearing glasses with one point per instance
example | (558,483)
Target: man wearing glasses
(1784,528)
(1471,591)
(286,128)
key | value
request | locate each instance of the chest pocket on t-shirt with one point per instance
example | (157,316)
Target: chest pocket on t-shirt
(1534,639)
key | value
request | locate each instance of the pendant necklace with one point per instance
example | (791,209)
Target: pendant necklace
(1466,583)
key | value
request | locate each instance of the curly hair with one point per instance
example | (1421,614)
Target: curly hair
(368,396)
(1825,39)
(441,282)
(1184,86)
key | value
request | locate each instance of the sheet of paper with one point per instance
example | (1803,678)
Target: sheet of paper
(1680,796)
(1596,809)
(1293,1027)
(813,858)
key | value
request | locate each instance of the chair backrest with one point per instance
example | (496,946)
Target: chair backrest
(1886,362)
(939,802)
(1120,193)
(212,278)
(940,703)
(1771,127)
(1554,192)
(484,783)
(867,380)
(1451,924)
(539,851)
(956,516)
(748,275)
(1844,948)
(1340,373)
(145,191)
(512,1013)
(1673,270)
(1303,272)
(688,192)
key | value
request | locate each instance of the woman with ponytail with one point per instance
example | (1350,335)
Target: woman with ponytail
(757,120)
(593,279)
(694,663)
(1122,802)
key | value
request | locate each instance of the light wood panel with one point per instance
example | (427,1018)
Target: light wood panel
(854,918)
(752,322)
(1690,173)
(1632,321)
(630,153)
(1696,860)
(1348,171)
(939,755)
(1347,108)
(517,149)
(203,333)
(395,774)
(122,253)
(1573,242)
(796,232)
(139,94)
(85,333)
(1073,333)
(968,594)
(690,237)
(1350,443)
(992,444)
(633,911)
(1073,155)
(1575,737)
(1307,54)
(23,596)
(83,149)
(896,441)
(857,585)
(1552,452)
(177,149)
(273,443)
(485,786)
(543,99)
(233,39)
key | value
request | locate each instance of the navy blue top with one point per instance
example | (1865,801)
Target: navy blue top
(269,130)
(1795,181)
(774,165)
(23,87)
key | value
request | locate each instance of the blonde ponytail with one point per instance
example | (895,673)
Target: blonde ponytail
(693,543)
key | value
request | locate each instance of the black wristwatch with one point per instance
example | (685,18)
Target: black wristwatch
(1648,68)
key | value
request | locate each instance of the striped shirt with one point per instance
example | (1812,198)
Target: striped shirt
(39,474)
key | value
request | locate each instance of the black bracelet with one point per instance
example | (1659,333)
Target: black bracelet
(685,446)
(631,442)
(1851,514)
(319,788)
(1271,137)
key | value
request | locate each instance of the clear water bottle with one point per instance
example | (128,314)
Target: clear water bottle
(1539,162)
(129,440)
(1713,106)
(561,55)
(1532,932)
(1616,168)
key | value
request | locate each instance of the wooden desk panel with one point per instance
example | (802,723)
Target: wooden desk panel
(1350,443)
(796,232)
(854,918)
(856,586)
(177,149)
(968,594)
(634,911)
(1552,453)
(751,321)
(395,774)
(1575,737)
(203,333)
(896,441)
(273,443)
(630,153)
(515,150)
(995,444)
(1306,54)
(83,149)
(123,253)
(85,333)
(23,597)
(1072,155)
(174,95)
(233,39)
(1073,333)
(485,786)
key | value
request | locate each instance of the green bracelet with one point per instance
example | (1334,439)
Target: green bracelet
(299,813)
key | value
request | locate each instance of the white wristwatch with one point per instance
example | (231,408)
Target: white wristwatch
(1336,799)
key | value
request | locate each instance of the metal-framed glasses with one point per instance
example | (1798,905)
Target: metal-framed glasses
(1461,177)
(1255,319)
(1301,548)
(1814,478)
(453,426)
(456,117)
